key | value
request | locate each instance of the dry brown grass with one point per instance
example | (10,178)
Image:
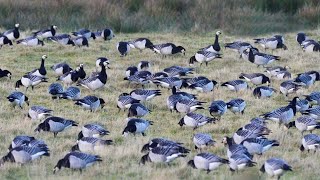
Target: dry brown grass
(121,159)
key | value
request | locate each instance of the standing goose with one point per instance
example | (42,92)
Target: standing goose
(207,161)
(125,101)
(275,167)
(162,154)
(84,33)
(236,105)
(41,72)
(202,141)
(55,124)
(63,39)
(71,93)
(138,110)
(30,41)
(92,130)
(203,57)
(77,161)
(123,48)
(168,49)
(5,40)
(301,37)
(215,47)
(239,162)
(185,105)
(195,120)
(305,123)
(46,33)
(204,85)
(261,58)
(313,112)
(61,68)
(90,102)
(81,41)
(18,98)
(96,82)
(136,125)
(310,142)
(236,85)
(141,44)
(13,34)
(255,78)
(30,80)
(90,144)
(288,87)
(263,92)
(39,112)
(5,73)
(24,154)
(218,108)
(259,145)
(314,97)
(272,43)
(144,95)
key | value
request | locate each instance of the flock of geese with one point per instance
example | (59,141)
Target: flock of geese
(246,142)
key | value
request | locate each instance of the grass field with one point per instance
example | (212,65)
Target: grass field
(121,160)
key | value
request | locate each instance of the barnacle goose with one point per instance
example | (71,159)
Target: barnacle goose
(131,70)
(125,101)
(236,85)
(233,148)
(236,105)
(242,134)
(304,123)
(204,56)
(143,65)
(139,78)
(63,39)
(84,33)
(310,142)
(261,58)
(90,144)
(238,46)
(136,125)
(90,102)
(24,154)
(255,78)
(138,110)
(162,142)
(41,72)
(70,77)
(314,97)
(80,41)
(255,127)
(168,82)
(207,161)
(304,80)
(13,34)
(55,124)
(92,130)
(275,167)
(30,80)
(144,95)
(288,87)
(183,94)
(274,70)
(282,115)
(263,92)
(18,98)
(30,41)
(215,47)
(176,71)
(202,140)
(313,112)
(259,145)
(310,46)
(301,36)
(163,154)
(96,82)
(195,120)
(315,75)
(5,73)
(172,101)
(23,140)
(71,93)
(204,85)
(5,40)
(39,112)
(102,60)
(168,49)
(46,33)
(218,108)
(186,105)
(239,162)
(107,34)
(123,48)
(76,160)
(141,44)
(272,43)
(302,105)
(61,68)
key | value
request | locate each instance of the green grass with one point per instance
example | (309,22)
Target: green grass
(121,160)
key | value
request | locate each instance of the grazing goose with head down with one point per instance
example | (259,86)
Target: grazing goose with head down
(195,120)
(236,105)
(55,124)
(310,142)
(204,85)
(314,97)
(162,142)
(92,130)
(138,110)
(313,112)
(84,33)
(144,95)
(259,145)
(41,72)
(239,162)
(5,73)
(186,105)
(63,39)
(77,161)
(24,154)
(125,101)
(136,125)
(275,42)
(39,112)
(168,49)
(255,78)
(301,36)
(236,85)
(263,92)
(275,167)
(107,34)
(123,48)
(288,87)
(274,70)
(5,40)
(207,161)
(163,154)
(71,93)
(203,57)
(218,108)
(91,103)
(261,58)
(90,144)
(202,140)
(310,46)
(141,44)
(81,41)
(30,80)
(29,141)
(30,41)
(304,123)
(96,82)
(13,34)
(18,98)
